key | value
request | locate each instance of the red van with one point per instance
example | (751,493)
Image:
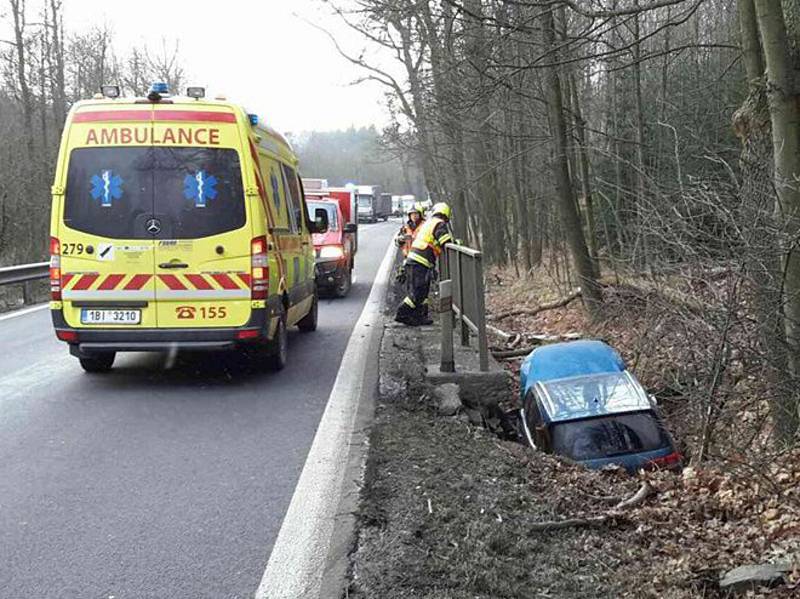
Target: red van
(335,249)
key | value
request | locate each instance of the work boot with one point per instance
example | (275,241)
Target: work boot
(403,319)
(421,317)
(405,314)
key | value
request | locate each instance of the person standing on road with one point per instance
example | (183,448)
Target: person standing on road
(416,218)
(425,249)
(405,237)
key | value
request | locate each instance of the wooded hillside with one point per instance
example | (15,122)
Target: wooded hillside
(44,68)
(600,143)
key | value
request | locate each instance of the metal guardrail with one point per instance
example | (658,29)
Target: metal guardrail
(461,296)
(24,273)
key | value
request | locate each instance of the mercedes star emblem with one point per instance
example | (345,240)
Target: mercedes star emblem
(154,226)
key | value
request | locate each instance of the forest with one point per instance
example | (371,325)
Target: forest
(357,156)
(649,143)
(44,69)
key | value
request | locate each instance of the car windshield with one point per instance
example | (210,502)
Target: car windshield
(364,201)
(608,436)
(333,223)
(194,192)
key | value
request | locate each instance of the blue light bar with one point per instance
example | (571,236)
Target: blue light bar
(253,119)
(159,87)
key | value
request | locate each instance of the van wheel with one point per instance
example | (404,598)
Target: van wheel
(98,362)
(308,323)
(343,288)
(279,352)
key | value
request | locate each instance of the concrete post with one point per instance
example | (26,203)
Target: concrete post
(446,312)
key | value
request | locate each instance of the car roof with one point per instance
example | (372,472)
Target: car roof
(569,359)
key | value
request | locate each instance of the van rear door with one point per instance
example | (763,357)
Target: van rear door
(107,253)
(202,252)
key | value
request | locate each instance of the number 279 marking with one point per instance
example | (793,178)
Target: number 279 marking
(70,249)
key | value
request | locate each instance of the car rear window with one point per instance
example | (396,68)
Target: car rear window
(608,436)
(193,192)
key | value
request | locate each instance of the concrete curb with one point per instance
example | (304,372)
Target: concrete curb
(312,529)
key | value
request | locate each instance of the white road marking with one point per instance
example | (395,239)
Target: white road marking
(296,564)
(23,312)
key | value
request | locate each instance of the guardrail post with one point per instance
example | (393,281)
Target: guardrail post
(446,310)
(27,294)
(480,317)
(463,328)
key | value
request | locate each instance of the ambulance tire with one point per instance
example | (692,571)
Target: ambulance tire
(101,362)
(278,353)
(308,324)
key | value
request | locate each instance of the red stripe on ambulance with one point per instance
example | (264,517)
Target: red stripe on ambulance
(85,282)
(110,282)
(108,116)
(245,277)
(225,281)
(194,115)
(199,282)
(173,282)
(137,282)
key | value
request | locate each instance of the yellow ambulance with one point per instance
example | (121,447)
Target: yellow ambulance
(177,223)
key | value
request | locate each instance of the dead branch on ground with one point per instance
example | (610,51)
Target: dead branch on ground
(559,303)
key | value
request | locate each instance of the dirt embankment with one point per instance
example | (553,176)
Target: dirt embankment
(450,511)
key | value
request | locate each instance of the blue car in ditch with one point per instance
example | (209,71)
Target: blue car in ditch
(580,401)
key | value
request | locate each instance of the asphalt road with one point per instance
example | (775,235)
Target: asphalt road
(158,479)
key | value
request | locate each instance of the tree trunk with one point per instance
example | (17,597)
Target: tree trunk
(640,168)
(569,215)
(785,121)
(586,184)
(18,15)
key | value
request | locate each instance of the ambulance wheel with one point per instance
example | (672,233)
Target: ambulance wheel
(98,362)
(343,288)
(308,323)
(279,352)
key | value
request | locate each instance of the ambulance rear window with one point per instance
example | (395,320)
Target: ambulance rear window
(192,192)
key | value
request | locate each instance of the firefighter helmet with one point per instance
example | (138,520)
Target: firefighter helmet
(442,209)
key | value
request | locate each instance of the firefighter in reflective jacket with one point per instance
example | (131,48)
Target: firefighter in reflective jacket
(416,218)
(428,243)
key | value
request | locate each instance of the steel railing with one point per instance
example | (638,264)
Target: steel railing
(24,273)
(462,303)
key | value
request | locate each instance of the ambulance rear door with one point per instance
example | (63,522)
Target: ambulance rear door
(107,251)
(202,251)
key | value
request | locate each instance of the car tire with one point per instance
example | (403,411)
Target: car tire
(343,288)
(279,350)
(100,362)
(308,324)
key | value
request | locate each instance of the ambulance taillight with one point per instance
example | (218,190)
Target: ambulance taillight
(55,269)
(259,269)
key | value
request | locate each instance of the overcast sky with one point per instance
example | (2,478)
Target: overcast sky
(259,53)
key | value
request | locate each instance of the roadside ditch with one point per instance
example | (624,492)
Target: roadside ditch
(451,508)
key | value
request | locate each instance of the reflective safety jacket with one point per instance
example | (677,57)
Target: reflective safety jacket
(429,241)
(407,234)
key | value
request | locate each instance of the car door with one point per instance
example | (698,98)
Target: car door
(202,248)
(107,253)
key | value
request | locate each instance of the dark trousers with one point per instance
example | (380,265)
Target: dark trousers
(414,307)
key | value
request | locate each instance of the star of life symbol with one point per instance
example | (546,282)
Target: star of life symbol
(200,187)
(106,187)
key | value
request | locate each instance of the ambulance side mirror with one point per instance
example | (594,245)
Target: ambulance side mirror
(320,224)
